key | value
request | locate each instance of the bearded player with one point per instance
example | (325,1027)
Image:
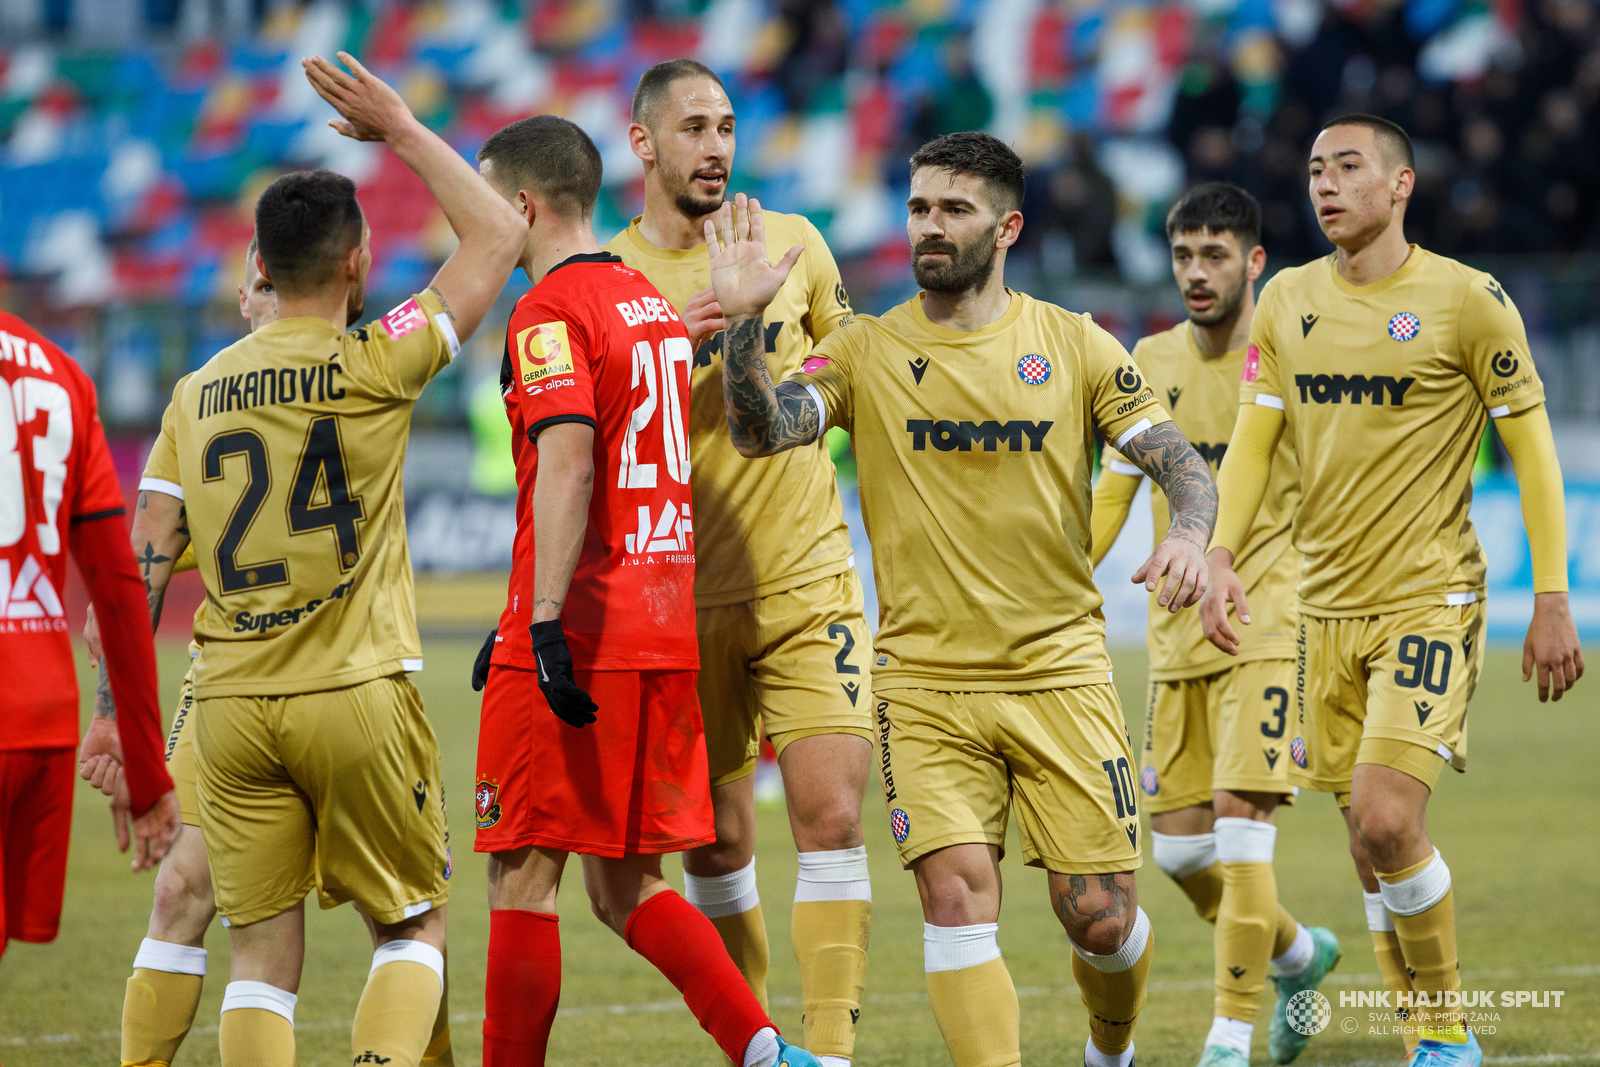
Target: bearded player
(169,970)
(973,411)
(591,740)
(1215,759)
(283,457)
(783,644)
(1382,363)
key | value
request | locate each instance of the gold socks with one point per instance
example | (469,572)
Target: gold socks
(399,1006)
(973,999)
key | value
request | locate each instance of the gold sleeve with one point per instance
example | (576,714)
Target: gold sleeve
(828,305)
(185,560)
(1242,481)
(1113,499)
(1532,448)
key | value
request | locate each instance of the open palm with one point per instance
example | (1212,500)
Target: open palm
(742,277)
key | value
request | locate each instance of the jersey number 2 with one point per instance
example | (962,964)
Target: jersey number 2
(631,474)
(321,466)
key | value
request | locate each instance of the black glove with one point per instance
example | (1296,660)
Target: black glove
(480,666)
(566,698)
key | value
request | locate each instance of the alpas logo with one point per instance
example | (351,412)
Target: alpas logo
(1333,388)
(949,435)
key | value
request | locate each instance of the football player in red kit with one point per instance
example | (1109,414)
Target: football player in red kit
(58,491)
(591,739)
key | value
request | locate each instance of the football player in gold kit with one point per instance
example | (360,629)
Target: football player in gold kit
(1216,760)
(783,642)
(973,411)
(281,458)
(1382,362)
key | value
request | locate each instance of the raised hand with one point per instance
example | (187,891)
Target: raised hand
(743,280)
(372,110)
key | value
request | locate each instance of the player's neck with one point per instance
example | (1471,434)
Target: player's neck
(332,306)
(1376,259)
(664,226)
(970,309)
(1229,335)
(546,248)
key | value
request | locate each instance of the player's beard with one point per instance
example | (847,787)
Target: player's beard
(1225,306)
(966,268)
(687,200)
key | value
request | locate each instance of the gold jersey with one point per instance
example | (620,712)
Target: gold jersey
(1385,389)
(742,553)
(975,453)
(287,449)
(1202,396)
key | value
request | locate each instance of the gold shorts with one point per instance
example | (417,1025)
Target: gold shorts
(1222,731)
(952,764)
(797,662)
(338,789)
(180,753)
(1376,688)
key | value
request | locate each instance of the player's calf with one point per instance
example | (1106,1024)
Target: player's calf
(1184,846)
(163,993)
(1111,945)
(396,1015)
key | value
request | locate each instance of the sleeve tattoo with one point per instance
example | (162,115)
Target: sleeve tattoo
(1172,463)
(762,419)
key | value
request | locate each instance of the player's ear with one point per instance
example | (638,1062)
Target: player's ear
(1405,179)
(1255,262)
(1009,229)
(641,142)
(244,303)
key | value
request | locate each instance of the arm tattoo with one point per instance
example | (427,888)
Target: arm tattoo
(1073,910)
(762,420)
(104,706)
(434,289)
(1172,463)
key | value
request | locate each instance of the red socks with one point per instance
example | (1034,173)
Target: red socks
(523,987)
(683,945)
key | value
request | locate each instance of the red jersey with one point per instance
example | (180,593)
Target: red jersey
(59,490)
(594,342)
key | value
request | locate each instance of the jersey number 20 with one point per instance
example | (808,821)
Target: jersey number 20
(321,465)
(631,474)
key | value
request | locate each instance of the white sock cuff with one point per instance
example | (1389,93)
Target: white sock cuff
(1231,1033)
(259,995)
(1124,957)
(723,894)
(950,948)
(1245,840)
(840,874)
(1181,856)
(1419,892)
(409,952)
(762,1049)
(1378,917)
(165,956)
(1298,956)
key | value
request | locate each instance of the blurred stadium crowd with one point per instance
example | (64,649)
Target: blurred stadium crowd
(136,134)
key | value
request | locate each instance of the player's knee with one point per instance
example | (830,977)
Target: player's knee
(835,824)
(183,904)
(1103,936)
(611,907)
(1383,829)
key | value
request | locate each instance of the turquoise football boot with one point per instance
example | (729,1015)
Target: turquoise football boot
(1284,1042)
(794,1056)
(1222,1056)
(1432,1053)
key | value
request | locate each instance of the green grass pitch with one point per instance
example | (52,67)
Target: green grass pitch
(1521,833)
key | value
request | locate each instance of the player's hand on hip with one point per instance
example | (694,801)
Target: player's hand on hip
(154,832)
(561,691)
(372,110)
(480,666)
(743,279)
(91,637)
(1183,565)
(703,317)
(1552,647)
(1225,589)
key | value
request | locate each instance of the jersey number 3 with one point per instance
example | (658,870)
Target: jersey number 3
(321,467)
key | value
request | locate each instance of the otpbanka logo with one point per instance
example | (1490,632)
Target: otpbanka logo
(1308,1012)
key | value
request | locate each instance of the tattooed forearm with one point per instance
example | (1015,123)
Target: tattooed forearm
(762,419)
(156,597)
(1172,463)
(104,706)
(442,301)
(1074,910)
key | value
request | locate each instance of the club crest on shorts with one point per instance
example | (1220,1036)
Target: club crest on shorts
(1149,782)
(900,823)
(1297,752)
(449,867)
(1033,369)
(1404,326)
(487,800)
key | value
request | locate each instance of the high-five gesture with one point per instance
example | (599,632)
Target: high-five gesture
(742,277)
(372,110)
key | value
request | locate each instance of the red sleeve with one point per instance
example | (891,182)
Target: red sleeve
(551,367)
(100,546)
(98,493)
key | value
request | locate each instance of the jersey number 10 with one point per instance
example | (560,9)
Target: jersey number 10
(321,464)
(631,474)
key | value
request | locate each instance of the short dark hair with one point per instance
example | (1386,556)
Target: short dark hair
(551,156)
(305,224)
(1393,141)
(1217,207)
(655,82)
(975,153)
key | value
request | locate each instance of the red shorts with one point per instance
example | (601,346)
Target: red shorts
(634,781)
(35,825)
